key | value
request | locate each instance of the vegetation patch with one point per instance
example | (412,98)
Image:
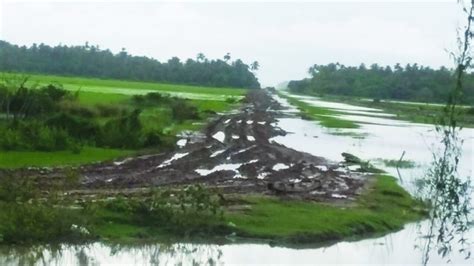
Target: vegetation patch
(384,207)
(398,163)
(69,128)
(325,116)
(195,211)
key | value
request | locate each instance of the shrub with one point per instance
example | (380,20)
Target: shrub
(182,110)
(231,100)
(152,139)
(124,132)
(109,110)
(77,127)
(471,110)
(11,140)
(78,110)
(27,216)
(192,209)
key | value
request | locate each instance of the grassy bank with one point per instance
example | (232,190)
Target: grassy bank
(198,212)
(325,116)
(383,208)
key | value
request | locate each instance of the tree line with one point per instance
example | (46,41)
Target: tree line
(411,83)
(90,61)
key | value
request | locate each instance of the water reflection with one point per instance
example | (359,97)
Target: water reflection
(102,254)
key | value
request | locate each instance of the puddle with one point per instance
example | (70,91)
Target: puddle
(222,167)
(214,154)
(175,157)
(280,166)
(181,143)
(220,136)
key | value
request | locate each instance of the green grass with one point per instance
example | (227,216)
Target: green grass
(122,87)
(95,98)
(385,207)
(325,116)
(18,159)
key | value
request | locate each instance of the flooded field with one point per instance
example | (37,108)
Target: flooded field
(377,139)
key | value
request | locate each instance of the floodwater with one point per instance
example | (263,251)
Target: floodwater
(378,137)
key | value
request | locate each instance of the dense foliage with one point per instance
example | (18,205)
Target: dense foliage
(412,82)
(51,119)
(91,61)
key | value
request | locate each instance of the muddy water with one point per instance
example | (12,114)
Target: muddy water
(379,137)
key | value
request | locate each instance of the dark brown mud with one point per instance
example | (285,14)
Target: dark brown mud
(234,153)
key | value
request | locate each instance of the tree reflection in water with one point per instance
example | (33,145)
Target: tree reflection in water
(97,254)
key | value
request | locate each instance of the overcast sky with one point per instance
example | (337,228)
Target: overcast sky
(286,38)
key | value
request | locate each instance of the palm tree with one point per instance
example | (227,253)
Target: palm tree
(200,57)
(254,66)
(227,57)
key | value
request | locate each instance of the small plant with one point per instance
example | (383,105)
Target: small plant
(231,100)
(185,211)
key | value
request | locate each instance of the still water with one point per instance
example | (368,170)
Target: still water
(379,137)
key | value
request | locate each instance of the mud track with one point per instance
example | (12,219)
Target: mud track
(234,153)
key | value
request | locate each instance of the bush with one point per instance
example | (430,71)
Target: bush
(153,139)
(124,132)
(11,140)
(470,111)
(184,211)
(109,110)
(78,110)
(182,110)
(27,216)
(150,99)
(77,127)
(34,135)
(231,100)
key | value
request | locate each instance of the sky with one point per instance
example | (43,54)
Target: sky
(286,38)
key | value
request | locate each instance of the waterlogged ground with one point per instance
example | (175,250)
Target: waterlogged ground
(377,138)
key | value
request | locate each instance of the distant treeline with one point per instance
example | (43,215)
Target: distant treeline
(91,61)
(411,83)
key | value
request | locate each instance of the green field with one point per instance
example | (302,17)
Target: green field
(120,87)
(95,93)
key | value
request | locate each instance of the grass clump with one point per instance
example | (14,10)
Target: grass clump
(190,211)
(29,216)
